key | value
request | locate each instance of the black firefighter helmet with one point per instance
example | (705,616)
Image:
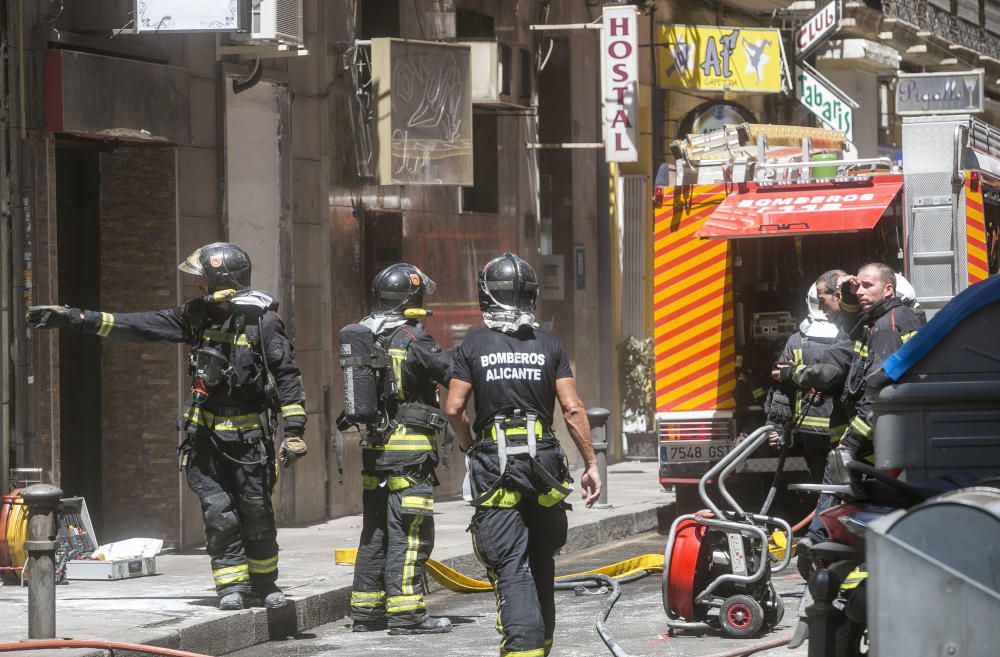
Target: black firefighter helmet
(508,283)
(224,266)
(400,287)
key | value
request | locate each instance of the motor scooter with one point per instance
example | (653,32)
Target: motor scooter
(833,610)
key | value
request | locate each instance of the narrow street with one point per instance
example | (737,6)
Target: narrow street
(637,621)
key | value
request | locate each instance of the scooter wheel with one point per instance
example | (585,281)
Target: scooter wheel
(741,617)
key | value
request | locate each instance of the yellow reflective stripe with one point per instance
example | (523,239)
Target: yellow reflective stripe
(409,443)
(518,431)
(249,421)
(399,603)
(231,574)
(220,422)
(410,558)
(861,427)
(370,482)
(194,414)
(290,410)
(815,421)
(758,393)
(415,502)
(398,358)
(537,652)
(261,566)
(503,498)
(797,357)
(849,307)
(907,336)
(553,496)
(854,579)
(107,323)
(225,337)
(399,483)
(861,349)
(366,599)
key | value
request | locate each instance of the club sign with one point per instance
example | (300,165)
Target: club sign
(817,29)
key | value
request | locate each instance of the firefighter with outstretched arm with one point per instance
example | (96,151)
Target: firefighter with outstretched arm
(243,377)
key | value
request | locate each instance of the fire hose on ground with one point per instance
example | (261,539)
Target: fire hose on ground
(110,646)
(608,579)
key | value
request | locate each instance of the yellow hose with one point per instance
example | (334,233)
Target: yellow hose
(17,533)
(455,581)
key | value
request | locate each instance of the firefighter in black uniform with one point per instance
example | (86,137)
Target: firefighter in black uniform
(398,461)
(885,323)
(238,345)
(518,477)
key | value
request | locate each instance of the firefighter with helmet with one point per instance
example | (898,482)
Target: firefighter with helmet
(391,350)
(239,347)
(518,476)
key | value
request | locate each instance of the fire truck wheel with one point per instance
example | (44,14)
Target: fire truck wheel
(741,617)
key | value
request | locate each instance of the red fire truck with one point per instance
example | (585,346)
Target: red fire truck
(745,220)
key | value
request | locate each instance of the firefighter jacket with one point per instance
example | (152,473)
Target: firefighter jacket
(881,330)
(418,365)
(232,410)
(812,407)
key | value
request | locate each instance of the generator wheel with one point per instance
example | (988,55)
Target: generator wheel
(741,617)
(774,608)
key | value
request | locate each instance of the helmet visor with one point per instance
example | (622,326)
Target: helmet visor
(192,264)
(430,287)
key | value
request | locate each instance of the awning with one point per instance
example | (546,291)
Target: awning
(759,210)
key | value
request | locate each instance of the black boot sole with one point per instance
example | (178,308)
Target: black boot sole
(397,631)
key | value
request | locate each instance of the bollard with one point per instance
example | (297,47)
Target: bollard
(822,616)
(41,500)
(598,419)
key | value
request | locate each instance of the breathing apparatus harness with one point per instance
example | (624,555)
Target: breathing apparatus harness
(210,367)
(371,389)
(506,449)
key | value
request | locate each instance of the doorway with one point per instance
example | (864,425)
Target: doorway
(78,209)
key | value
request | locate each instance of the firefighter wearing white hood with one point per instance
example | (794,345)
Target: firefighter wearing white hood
(812,409)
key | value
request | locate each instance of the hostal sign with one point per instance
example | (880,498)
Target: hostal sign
(621,76)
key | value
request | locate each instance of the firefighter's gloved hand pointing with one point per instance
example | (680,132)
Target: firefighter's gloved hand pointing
(292,449)
(54,317)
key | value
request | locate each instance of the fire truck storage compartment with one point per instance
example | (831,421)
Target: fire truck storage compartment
(942,414)
(772,275)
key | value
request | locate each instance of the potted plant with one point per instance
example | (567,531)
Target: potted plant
(638,398)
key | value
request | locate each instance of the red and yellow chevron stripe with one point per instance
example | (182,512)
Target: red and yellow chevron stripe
(692,305)
(975,229)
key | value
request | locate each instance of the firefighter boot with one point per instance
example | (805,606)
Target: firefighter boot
(429,625)
(231,601)
(373,625)
(272,597)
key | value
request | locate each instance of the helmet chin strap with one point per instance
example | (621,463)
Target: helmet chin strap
(508,321)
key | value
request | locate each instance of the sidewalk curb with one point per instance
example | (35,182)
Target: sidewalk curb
(241,630)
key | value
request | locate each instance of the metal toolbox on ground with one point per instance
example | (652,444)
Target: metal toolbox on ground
(103,570)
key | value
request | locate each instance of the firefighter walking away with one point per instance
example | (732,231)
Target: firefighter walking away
(244,379)
(518,477)
(392,369)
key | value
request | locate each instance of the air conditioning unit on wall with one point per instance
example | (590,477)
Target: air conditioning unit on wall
(501,74)
(274,22)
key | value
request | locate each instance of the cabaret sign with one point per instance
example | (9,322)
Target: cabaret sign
(621,83)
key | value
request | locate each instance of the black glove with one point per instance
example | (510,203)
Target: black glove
(785,371)
(44,317)
(292,449)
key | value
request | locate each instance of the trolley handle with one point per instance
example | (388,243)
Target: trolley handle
(727,464)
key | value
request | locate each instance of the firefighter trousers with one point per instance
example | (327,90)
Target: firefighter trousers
(397,537)
(236,507)
(518,547)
